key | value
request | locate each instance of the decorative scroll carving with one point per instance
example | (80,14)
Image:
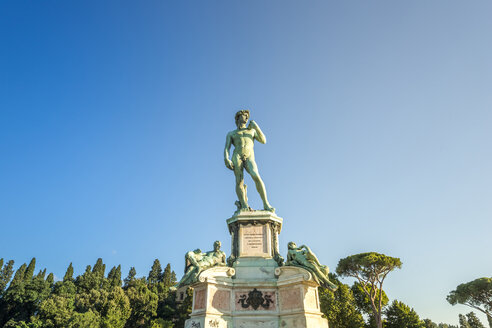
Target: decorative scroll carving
(255,299)
(288,272)
(215,273)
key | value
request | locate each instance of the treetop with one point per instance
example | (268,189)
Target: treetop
(367,265)
(476,292)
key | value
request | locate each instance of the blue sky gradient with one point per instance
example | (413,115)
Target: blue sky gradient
(377,115)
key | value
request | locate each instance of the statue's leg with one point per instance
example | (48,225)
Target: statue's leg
(252,169)
(322,276)
(186,278)
(240,186)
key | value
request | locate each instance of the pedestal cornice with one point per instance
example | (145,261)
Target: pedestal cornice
(254,217)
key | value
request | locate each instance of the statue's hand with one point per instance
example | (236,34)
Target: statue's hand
(252,125)
(228,164)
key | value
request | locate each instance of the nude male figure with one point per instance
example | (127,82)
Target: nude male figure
(243,158)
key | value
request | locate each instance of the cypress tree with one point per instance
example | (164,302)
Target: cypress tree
(19,275)
(131,277)
(111,273)
(50,279)
(30,270)
(12,306)
(6,274)
(114,276)
(166,276)
(155,274)
(117,277)
(173,278)
(99,268)
(68,274)
(41,274)
(473,320)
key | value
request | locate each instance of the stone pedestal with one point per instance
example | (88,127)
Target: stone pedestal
(255,291)
(254,235)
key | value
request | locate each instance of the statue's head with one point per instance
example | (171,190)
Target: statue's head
(291,245)
(217,245)
(242,117)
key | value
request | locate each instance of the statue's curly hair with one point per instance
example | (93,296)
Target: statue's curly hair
(242,111)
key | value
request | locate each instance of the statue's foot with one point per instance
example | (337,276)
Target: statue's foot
(269,208)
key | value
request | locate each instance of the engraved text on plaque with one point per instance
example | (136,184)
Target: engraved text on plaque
(254,241)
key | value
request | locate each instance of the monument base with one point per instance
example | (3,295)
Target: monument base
(287,299)
(255,291)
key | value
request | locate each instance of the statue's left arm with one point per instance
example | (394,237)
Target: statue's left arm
(312,256)
(259,134)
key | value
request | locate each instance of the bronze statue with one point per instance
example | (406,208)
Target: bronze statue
(303,257)
(243,158)
(196,262)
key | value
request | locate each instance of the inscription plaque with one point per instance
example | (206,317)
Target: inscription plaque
(254,240)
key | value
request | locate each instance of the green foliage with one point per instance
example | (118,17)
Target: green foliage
(161,323)
(6,273)
(92,279)
(69,273)
(399,315)
(476,294)
(56,311)
(473,320)
(370,270)
(131,277)
(367,266)
(463,322)
(183,310)
(428,323)
(339,306)
(99,268)
(143,303)
(30,270)
(168,277)
(362,300)
(19,275)
(470,321)
(87,319)
(93,300)
(155,274)
(50,279)
(24,295)
(114,277)
(444,325)
(90,300)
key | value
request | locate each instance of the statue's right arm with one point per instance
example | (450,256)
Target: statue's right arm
(227,161)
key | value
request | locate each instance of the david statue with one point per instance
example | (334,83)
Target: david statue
(243,158)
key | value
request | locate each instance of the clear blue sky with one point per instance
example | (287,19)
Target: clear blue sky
(378,117)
